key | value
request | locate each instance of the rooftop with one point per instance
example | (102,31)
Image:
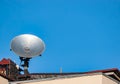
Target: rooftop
(34,77)
(113,73)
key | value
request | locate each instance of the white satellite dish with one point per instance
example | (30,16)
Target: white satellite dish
(27,45)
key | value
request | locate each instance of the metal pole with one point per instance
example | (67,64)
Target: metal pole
(26,66)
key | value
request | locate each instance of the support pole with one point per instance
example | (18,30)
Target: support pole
(26,62)
(25,65)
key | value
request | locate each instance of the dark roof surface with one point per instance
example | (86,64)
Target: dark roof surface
(115,70)
(104,71)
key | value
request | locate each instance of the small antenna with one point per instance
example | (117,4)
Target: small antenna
(60,69)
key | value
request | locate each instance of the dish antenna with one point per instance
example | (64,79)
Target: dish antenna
(27,46)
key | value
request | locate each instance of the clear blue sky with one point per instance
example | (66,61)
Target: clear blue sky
(80,35)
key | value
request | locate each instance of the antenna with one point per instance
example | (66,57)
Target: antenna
(60,69)
(27,46)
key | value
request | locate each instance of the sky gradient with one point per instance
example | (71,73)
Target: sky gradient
(80,35)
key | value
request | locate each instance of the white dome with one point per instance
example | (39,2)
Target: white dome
(27,45)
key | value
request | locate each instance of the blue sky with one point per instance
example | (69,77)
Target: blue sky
(80,35)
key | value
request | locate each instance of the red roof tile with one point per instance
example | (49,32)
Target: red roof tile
(5,61)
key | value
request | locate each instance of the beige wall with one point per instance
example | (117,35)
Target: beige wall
(84,79)
(3,80)
(106,80)
(92,79)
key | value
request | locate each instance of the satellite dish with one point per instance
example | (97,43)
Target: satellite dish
(27,45)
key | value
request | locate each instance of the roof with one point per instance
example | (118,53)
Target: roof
(71,73)
(104,71)
(113,73)
(5,61)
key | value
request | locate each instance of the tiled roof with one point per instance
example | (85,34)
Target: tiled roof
(5,61)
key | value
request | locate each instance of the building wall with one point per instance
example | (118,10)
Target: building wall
(106,80)
(8,68)
(3,80)
(97,78)
(92,79)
